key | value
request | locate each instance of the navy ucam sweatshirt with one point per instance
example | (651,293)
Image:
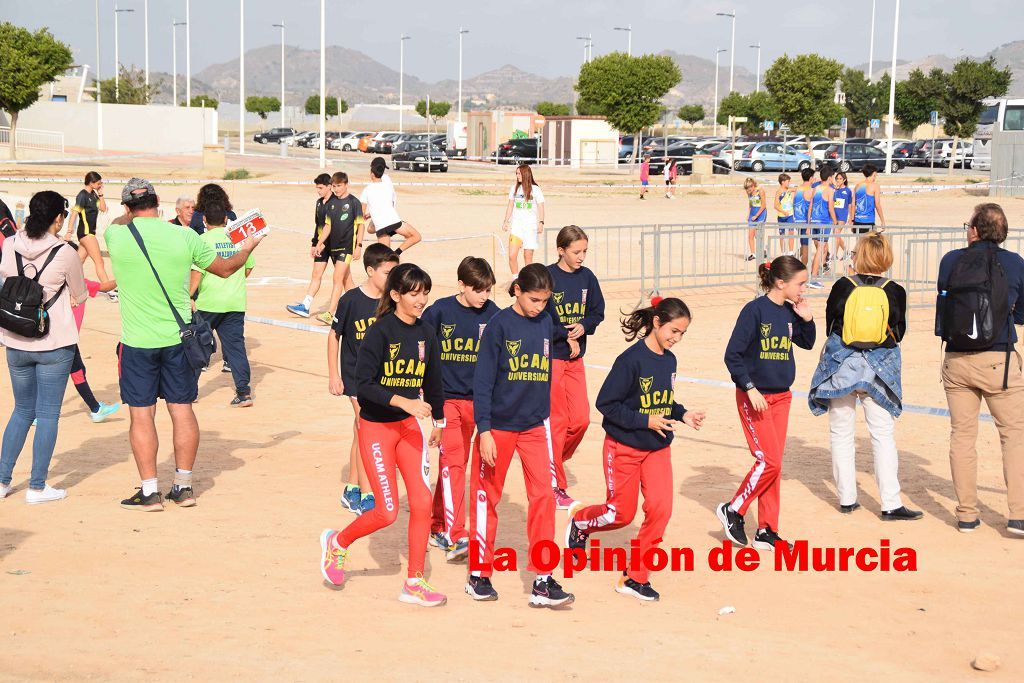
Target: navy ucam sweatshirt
(459,330)
(760,352)
(576,298)
(641,383)
(512,381)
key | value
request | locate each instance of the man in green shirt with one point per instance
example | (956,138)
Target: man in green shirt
(151,362)
(221,302)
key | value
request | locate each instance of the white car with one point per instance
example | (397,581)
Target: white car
(348,141)
(731,156)
(944,149)
(883,143)
(295,140)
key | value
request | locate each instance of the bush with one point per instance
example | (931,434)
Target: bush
(237,174)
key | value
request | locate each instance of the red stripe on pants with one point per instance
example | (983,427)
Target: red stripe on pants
(487,483)
(383,446)
(449,513)
(570,412)
(628,473)
(766,438)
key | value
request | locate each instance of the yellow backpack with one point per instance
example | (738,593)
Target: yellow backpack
(866,318)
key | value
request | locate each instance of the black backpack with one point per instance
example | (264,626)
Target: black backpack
(22,308)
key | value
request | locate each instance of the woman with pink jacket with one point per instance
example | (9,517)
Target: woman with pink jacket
(40,366)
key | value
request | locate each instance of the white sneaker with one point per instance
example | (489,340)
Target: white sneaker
(4,490)
(47,495)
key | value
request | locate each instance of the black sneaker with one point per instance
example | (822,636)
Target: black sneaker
(479,588)
(765,539)
(847,509)
(150,503)
(242,401)
(640,591)
(547,593)
(732,522)
(968,527)
(900,513)
(225,368)
(574,536)
(1016,526)
(183,497)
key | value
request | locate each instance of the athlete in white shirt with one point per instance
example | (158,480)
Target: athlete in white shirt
(378,200)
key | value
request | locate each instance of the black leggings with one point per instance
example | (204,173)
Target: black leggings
(78,377)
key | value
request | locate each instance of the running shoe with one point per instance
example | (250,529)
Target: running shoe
(459,550)
(547,593)
(35,422)
(48,494)
(562,499)
(112,295)
(439,540)
(242,401)
(332,558)
(750,257)
(182,496)
(225,368)
(765,539)
(901,513)
(350,499)
(640,591)
(326,317)
(1014,526)
(574,536)
(105,411)
(298,309)
(421,593)
(968,527)
(732,522)
(815,284)
(367,503)
(4,490)
(480,589)
(150,503)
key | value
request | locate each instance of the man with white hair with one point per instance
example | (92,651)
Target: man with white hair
(183,210)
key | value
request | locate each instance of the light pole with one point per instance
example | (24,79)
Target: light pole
(401,80)
(117,59)
(732,47)
(241,76)
(188,57)
(758,48)
(871,44)
(145,21)
(323,85)
(174,59)
(629,37)
(586,47)
(462,32)
(281,26)
(99,90)
(892,90)
(717,53)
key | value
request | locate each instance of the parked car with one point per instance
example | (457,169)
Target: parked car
(772,156)
(373,145)
(883,143)
(817,151)
(346,142)
(943,150)
(682,152)
(413,155)
(273,135)
(518,150)
(298,139)
(731,154)
(855,156)
(903,151)
(626,145)
(313,141)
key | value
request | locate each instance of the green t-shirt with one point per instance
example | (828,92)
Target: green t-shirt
(220,294)
(146,319)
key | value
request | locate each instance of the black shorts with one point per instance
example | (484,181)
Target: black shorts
(145,375)
(862,228)
(83,230)
(389,230)
(333,257)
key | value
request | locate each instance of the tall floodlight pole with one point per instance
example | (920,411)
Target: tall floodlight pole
(758,48)
(174,60)
(401,80)
(871,43)
(462,32)
(892,90)
(241,76)
(99,91)
(145,20)
(188,56)
(732,47)
(323,84)
(717,53)
(117,58)
(281,26)
(628,28)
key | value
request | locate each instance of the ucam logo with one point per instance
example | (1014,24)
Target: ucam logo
(558,296)
(393,350)
(766,329)
(447,330)
(513,346)
(646,383)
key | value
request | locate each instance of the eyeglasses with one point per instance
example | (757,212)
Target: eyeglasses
(967,226)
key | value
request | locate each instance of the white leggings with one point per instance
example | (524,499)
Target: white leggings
(842,421)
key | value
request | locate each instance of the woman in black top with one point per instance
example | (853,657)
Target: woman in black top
(85,214)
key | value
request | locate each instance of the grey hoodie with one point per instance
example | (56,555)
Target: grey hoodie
(65,267)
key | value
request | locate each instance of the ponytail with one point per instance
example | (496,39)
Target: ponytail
(403,278)
(640,322)
(532,278)
(783,268)
(43,209)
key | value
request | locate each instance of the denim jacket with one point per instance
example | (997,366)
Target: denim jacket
(843,370)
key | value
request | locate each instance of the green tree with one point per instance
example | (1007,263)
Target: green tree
(864,100)
(917,97)
(803,90)
(761,107)
(546,108)
(203,101)
(628,90)
(129,88)
(438,110)
(966,86)
(330,106)
(27,62)
(262,106)
(691,113)
(733,104)
(585,107)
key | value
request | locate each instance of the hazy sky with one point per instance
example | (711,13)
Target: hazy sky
(536,35)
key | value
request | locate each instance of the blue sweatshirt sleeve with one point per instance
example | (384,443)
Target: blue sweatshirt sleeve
(485,377)
(612,399)
(1018,307)
(430,317)
(677,411)
(735,351)
(559,335)
(595,307)
(433,384)
(368,364)
(804,332)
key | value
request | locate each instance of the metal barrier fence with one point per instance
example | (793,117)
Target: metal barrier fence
(46,140)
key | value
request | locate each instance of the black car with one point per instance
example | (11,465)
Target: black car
(903,152)
(273,135)
(518,151)
(854,157)
(682,152)
(413,155)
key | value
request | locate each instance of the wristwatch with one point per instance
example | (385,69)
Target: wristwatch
(439,424)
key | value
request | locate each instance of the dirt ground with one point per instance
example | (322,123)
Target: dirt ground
(232,588)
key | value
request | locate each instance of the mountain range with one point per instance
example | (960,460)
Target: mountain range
(359,78)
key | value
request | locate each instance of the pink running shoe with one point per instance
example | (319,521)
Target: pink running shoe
(563,500)
(332,558)
(421,593)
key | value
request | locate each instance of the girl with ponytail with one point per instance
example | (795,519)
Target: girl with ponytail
(641,415)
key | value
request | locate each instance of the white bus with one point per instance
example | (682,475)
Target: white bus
(999,114)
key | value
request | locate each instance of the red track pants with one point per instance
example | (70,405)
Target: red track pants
(629,472)
(570,412)
(449,513)
(766,437)
(534,448)
(382,447)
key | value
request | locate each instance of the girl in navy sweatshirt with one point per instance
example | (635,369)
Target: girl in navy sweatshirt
(398,375)
(577,308)
(641,414)
(511,405)
(760,360)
